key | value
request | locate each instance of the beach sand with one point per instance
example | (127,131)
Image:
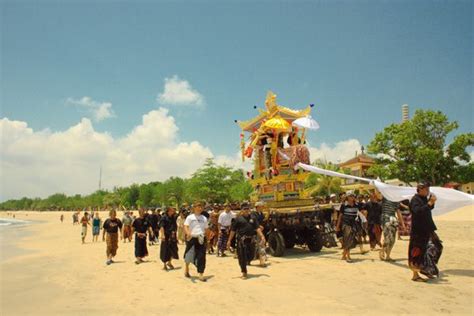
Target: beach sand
(62,277)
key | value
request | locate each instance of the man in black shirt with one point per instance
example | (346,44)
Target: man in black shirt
(425,247)
(113,227)
(374,219)
(140,227)
(153,221)
(246,228)
(169,241)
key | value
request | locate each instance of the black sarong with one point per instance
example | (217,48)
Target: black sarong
(195,253)
(424,252)
(141,250)
(245,251)
(169,249)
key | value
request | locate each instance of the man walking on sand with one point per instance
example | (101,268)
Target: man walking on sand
(84,223)
(425,248)
(247,228)
(195,228)
(391,218)
(112,228)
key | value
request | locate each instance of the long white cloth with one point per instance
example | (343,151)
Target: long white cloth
(447,199)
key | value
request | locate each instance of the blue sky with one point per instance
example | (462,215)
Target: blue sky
(357,61)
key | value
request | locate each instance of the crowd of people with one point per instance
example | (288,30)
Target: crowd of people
(207,229)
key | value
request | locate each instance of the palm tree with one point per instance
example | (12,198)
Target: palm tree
(321,185)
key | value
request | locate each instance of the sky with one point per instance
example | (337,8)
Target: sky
(149,90)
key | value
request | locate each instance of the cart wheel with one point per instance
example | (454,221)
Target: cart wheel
(276,244)
(315,242)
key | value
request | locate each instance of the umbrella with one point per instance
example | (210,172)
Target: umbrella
(278,123)
(306,122)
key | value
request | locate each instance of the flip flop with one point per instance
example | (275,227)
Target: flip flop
(419,279)
(187,275)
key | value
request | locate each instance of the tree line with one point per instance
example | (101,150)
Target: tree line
(211,183)
(414,150)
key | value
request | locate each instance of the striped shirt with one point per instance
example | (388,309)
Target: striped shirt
(349,213)
(389,209)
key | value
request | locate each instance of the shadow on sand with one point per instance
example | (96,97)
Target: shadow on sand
(459,272)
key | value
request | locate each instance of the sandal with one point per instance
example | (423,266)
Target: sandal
(170,266)
(419,279)
(187,275)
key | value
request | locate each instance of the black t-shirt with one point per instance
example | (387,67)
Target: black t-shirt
(374,212)
(112,226)
(168,224)
(245,226)
(349,213)
(140,225)
(422,223)
(153,220)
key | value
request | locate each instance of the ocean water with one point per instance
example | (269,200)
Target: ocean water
(11,231)
(11,223)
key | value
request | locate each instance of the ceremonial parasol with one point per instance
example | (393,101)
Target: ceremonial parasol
(278,124)
(306,122)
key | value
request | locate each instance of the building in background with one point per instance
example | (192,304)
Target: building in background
(405,113)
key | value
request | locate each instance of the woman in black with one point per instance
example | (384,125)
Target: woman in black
(169,241)
(140,226)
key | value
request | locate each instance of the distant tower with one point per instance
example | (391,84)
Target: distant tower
(100,178)
(405,113)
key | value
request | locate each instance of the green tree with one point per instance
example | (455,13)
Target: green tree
(417,149)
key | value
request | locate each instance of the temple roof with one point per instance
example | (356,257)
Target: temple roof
(272,109)
(362,158)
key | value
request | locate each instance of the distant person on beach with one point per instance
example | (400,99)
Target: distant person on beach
(84,223)
(140,227)
(61,218)
(96,221)
(374,214)
(224,222)
(246,228)
(425,247)
(180,222)
(153,219)
(127,227)
(112,228)
(195,228)
(169,240)
(406,217)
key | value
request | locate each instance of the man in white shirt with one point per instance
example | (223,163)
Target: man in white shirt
(195,227)
(224,222)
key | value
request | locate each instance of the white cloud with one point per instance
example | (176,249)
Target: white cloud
(40,163)
(98,110)
(339,152)
(180,93)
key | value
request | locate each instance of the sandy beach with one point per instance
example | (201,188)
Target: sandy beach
(56,275)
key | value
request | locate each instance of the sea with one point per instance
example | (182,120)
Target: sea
(11,230)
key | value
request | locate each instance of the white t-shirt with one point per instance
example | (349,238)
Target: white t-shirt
(197,224)
(225,219)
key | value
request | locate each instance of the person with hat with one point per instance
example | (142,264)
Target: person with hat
(246,228)
(169,241)
(224,222)
(195,228)
(347,224)
(425,248)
